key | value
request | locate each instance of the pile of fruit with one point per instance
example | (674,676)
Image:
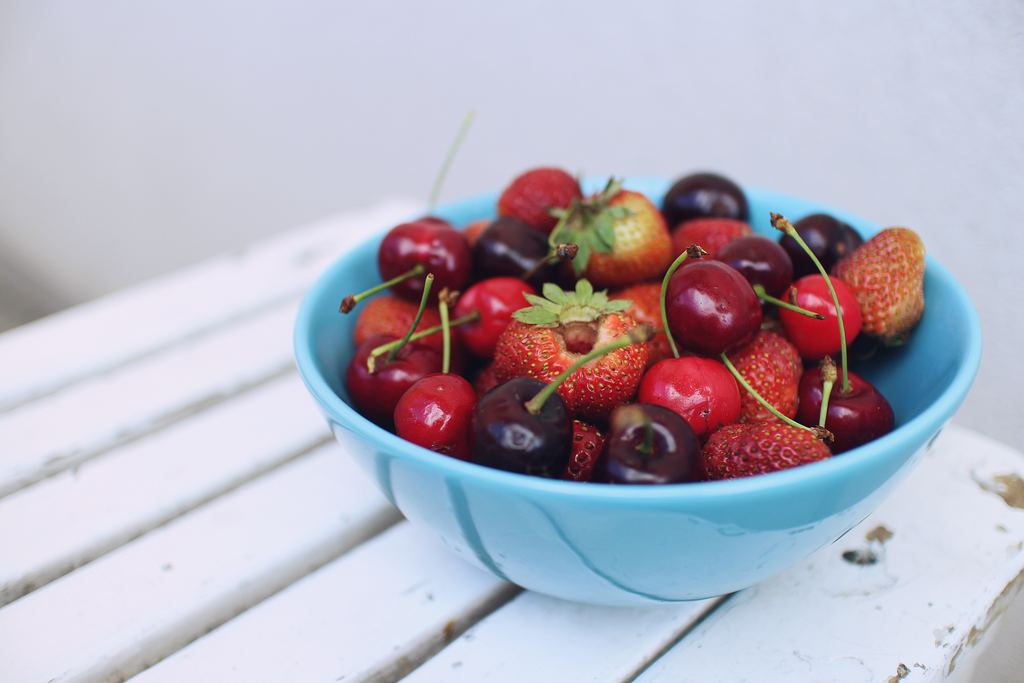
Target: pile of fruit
(603,339)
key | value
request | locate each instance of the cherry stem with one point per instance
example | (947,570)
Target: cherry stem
(445,298)
(428,282)
(828,377)
(647,447)
(695,251)
(779,222)
(442,173)
(765,296)
(384,348)
(559,253)
(638,335)
(350,301)
(760,399)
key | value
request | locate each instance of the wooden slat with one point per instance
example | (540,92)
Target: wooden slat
(72,518)
(95,415)
(138,604)
(54,352)
(371,615)
(954,562)
(536,637)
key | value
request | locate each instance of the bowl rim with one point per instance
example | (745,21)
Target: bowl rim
(915,430)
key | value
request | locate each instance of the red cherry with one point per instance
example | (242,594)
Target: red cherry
(818,338)
(496,299)
(428,242)
(854,418)
(375,394)
(711,308)
(700,390)
(437,412)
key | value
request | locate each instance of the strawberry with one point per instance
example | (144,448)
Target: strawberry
(391,316)
(709,233)
(621,236)
(533,194)
(587,442)
(473,230)
(646,308)
(543,340)
(772,366)
(743,450)
(886,274)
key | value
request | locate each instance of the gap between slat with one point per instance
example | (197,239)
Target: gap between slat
(58,463)
(46,575)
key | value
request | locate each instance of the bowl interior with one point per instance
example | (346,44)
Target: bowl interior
(931,373)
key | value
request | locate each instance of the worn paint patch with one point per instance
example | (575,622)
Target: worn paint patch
(1009,487)
(901,672)
(861,558)
(996,610)
(880,534)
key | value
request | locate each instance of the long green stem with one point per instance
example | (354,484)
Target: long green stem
(446,332)
(695,251)
(760,399)
(559,253)
(435,191)
(384,348)
(350,301)
(828,380)
(637,335)
(765,296)
(779,222)
(428,282)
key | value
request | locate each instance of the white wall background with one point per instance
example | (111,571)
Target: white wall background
(137,137)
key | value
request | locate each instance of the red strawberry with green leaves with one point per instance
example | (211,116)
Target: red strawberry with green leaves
(543,340)
(711,234)
(646,308)
(743,450)
(621,236)
(771,365)
(392,316)
(886,274)
(532,196)
(587,442)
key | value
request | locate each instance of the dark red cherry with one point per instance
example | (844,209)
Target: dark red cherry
(375,394)
(829,238)
(495,299)
(509,247)
(711,308)
(429,242)
(761,261)
(649,444)
(702,195)
(509,437)
(854,418)
(437,413)
(699,390)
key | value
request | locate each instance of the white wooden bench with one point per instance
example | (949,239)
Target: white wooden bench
(172,508)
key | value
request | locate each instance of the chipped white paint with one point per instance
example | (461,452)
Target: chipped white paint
(371,615)
(51,353)
(146,600)
(537,634)
(72,425)
(78,515)
(160,438)
(955,549)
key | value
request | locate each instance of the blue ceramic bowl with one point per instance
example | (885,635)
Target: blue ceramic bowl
(628,545)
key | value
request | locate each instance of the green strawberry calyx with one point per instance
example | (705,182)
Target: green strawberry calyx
(559,307)
(590,224)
